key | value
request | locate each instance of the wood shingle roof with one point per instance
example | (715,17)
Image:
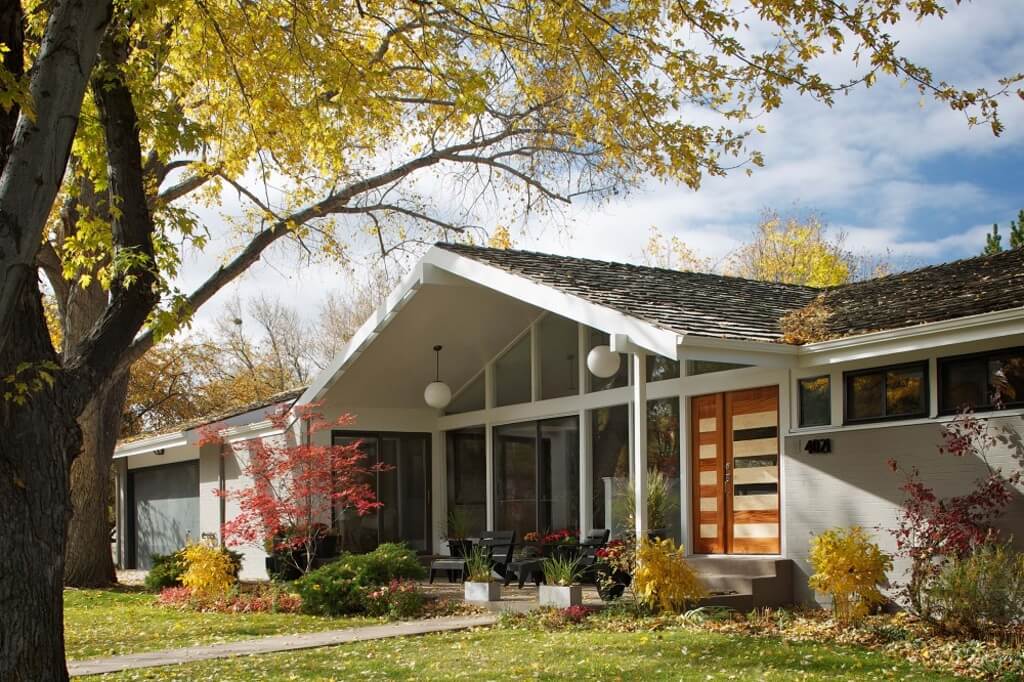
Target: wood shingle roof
(718,306)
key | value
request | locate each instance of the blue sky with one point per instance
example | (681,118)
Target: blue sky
(893,171)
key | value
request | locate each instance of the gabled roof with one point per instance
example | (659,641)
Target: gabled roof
(708,305)
(283,398)
(972,286)
(687,303)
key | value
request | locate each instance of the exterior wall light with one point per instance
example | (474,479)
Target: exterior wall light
(437,394)
(603,362)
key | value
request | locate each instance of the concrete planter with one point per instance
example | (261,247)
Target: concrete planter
(482,592)
(561,597)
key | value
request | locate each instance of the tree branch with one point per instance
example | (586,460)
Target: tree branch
(41,146)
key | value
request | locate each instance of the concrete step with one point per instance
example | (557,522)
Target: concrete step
(757,581)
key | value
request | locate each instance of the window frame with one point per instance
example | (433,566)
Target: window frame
(800,403)
(987,407)
(923,365)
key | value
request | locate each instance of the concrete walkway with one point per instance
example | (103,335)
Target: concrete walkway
(266,645)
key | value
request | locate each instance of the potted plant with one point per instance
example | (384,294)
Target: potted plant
(479,586)
(562,543)
(458,530)
(561,589)
(614,569)
(661,505)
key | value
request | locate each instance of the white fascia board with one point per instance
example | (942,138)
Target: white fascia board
(147,445)
(643,334)
(920,337)
(364,336)
(759,353)
(261,429)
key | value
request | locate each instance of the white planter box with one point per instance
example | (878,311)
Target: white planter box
(561,597)
(483,592)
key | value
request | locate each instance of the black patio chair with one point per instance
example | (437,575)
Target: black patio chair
(499,545)
(595,540)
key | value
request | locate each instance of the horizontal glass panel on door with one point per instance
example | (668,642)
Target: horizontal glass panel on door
(536,476)
(402,488)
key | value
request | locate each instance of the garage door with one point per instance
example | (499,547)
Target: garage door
(165,509)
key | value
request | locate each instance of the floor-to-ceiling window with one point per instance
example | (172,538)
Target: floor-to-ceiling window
(401,487)
(466,460)
(663,481)
(536,475)
(609,448)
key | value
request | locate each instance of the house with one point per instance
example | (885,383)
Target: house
(758,442)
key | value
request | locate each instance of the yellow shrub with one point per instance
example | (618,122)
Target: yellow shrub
(663,580)
(849,567)
(208,570)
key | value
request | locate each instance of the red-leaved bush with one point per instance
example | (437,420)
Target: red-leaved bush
(295,486)
(262,600)
(930,529)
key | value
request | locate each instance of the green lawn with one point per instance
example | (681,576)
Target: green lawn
(674,654)
(113,622)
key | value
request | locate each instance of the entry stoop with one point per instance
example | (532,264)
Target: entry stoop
(747,583)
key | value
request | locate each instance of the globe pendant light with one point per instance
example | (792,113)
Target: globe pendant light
(437,394)
(603,362)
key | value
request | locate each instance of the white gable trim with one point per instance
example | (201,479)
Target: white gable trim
(432,269)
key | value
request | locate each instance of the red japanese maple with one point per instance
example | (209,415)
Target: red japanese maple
(931,529)
(295,486)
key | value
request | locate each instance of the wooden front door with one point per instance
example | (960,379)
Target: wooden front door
(735,454)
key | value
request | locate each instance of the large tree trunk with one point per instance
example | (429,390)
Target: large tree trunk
(87,558)
(38,439)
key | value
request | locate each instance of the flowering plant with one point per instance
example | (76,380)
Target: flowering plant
(561,537)
(532,536)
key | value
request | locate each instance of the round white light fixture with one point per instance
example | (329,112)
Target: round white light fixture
(437,393)
(603,362)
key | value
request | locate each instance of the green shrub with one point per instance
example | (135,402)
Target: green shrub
(980,592)
(165,572)
(343,586)
(168,568)
(399,599)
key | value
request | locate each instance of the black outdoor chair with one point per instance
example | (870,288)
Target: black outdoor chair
(498,545)
(595,540)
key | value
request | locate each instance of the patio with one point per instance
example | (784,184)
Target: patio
(513,598)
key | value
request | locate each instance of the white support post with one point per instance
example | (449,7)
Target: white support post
(586,467)
(640,441)
(489,473)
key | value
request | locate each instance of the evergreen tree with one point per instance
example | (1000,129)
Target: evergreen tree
(1017,231)
(993,242)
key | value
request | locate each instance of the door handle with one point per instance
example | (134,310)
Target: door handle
(728,475)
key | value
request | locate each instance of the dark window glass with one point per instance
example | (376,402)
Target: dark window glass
(512,374)
(609,433)
(887,392)
(815,401)
(660,368)
(536,476)
(559,364)
(904,391)
(663,466)
(620,378)
(467,477)
(981,381)
(695,367)
(470,398)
